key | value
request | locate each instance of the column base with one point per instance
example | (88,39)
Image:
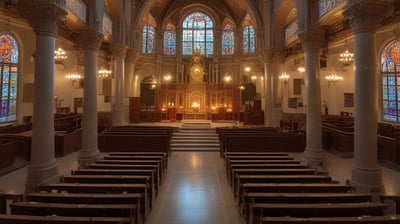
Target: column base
(118,117)
(87,156)
(367,181)
(38,175)
(315,158)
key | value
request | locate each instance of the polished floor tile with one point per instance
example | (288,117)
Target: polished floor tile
(195,189)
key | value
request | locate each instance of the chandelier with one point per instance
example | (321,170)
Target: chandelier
(73,76)
(346,57)
(333,78)
(59,55)
(284,77)
(104,73)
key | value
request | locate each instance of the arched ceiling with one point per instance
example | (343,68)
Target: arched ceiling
(172,9)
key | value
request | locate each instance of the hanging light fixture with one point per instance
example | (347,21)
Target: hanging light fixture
(104,73)
(284,76)
(59,55)
(73,76)
(346,57)
(333,78)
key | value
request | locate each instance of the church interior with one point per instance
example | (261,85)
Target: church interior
(183,111)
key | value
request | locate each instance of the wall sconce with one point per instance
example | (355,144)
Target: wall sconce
(253,77)
(227,78)
(284,77)
(301,69)
(333,78)
(59,55)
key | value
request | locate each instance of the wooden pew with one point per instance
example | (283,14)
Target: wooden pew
(33,219)
(258,210)
(7,152)
(132,160)
(112,179)
(255,157)
(139,153)
(129,142)
(6,198)
(251,183)
(141,164)
(75,210)
(92,198)
(98,188)
(304,198)
(387,219)
(230,171)
(237,178)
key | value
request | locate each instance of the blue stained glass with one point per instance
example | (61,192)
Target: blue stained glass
(385,92)
(148,39)
(4,92)
(391,80)
(197,32)
(248,40)
(228,40)
(392,92)
(170,40)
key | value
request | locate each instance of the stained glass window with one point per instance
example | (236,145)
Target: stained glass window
(148,39)
(390,62)
(249,40)
(170,40)
(197,33)
(228,40)
(9,78)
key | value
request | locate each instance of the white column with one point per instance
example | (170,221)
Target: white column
(131,56)
(43,166)
(364,17)
(118,115)
(268,87)
(90,41)
(311,43)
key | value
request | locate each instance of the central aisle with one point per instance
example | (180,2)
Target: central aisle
(195,191)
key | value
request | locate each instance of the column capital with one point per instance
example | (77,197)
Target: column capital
(43,17)
(132,55)
(365,15)
(119,50)
(90,39)
(267,54)
(312,38)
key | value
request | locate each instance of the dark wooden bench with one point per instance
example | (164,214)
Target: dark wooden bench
(258,161)
(123,172)
(297,187)
(7,152)
(233,167)
(141,164)
(304,198)
(228,158)
(74,210)
(258,210)
(92,198)
(128,179)
(98,188)
(7,198)
(129,142)
(132,160)
(33,219)
(237,180)
(253,181)
(387,219)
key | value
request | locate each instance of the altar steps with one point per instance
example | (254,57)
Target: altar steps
(195,139)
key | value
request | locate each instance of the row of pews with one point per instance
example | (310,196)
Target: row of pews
(237,139)
(275,188)
(118,188)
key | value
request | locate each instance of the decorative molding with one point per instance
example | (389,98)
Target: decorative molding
(119,50)
(313,38)
(90,39)
(365,15)
(43,18)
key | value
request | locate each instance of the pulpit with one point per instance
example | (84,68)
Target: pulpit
(171,113)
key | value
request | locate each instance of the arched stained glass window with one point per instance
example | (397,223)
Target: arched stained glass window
(249,40)
(197,33)
(9,78)
(170,40)
(390,70)
(148,39)
(228,40)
